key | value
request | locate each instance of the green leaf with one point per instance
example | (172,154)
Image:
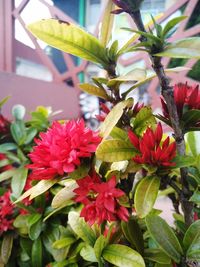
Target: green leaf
(7,146)
(69,38)
(156,255)
(52,234)
(143,119)
(94,90)
(191,234)
(170,24)
(113,117)
(99,245)
(87,253)
(30,134)
(18,132)
(183,161)
(191,117)
(36,253)
(196,197)
(81,228)
(107,23)
(6,248)
(115,150)
(145,195)
(185,48)
(124,48)
(18,181)
(133,234)
(193,252)
(121,256)
(18,111)
(164,236)
(4,162)
(7,174)
(64,242)
(34,224)
(65,194)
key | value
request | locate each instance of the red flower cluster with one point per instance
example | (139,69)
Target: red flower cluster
(186,97)
(61,149)
(100,200)
(6,211)
(153,151)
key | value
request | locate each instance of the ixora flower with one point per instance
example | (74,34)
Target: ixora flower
(6,212)
(61,148)
(152,150)
(100,200)
(186,97)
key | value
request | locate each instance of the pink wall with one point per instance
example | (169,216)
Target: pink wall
(31,93)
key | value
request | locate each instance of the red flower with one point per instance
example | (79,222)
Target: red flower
(153,151)
(185,97)
(4,125)
(61,149)
(100,200)
(6,211)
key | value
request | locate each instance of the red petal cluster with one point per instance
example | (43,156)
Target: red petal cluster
(153,151)
(4,125)
(100,200)
(6,211)
(61,149)
(185,96)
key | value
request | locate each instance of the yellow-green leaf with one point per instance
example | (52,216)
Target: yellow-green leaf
(81,228)
(113,117)
(121,256)
(41,187)
(94,90)
(145,195)
(65,194)
(107,23)
(69,38)
(87,252)
(143,119)
(115,150)
(185,48)
(135,75)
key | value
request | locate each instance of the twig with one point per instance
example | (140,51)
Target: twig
(167,93)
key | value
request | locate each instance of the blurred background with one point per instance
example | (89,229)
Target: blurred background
(33,73)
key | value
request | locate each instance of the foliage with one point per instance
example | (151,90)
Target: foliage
(72,197)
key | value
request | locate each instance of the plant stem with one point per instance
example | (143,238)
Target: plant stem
(167,93)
